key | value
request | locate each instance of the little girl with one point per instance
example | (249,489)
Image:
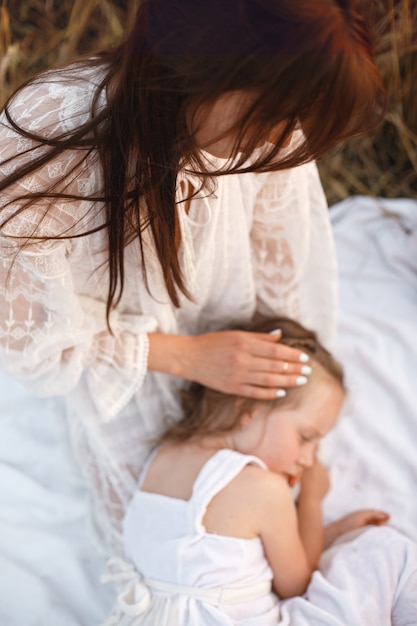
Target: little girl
(214,533)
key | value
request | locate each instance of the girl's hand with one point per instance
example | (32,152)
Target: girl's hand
(253,365)
(352,521)
(315,482)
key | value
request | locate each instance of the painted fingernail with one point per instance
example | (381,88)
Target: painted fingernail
(301,380)
(306,369)
(303,357)
(281,393)
(276,331)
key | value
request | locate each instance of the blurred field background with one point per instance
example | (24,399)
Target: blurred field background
(37,34)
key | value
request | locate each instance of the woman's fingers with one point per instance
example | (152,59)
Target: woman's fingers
(260,393)
(270,379)
(279,367)
(277,364)
(238,362)
(267,345)
(267,366)
(270,364)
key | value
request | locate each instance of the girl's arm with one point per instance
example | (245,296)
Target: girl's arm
(315,537)
(314,486)
(293,540)
(278,528)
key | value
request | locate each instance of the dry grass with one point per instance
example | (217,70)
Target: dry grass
(385,162)
(36,34)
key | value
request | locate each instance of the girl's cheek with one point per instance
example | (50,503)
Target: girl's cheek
(308,454)
(297,451)
(291,455)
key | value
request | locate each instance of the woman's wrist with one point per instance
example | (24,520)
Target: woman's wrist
(169,354)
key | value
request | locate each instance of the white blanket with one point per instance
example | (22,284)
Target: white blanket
(50,554)
(373,450)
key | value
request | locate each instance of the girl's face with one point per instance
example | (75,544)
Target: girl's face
(286,439)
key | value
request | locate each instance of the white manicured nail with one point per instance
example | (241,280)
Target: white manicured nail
(301,380)
(304,357)
(306,369)
(276,331)
(281,393)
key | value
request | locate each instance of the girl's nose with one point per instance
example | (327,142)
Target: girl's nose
(308,454)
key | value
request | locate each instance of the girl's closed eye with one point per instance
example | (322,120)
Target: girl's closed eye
(309,437)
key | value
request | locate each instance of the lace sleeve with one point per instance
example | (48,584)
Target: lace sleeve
(50,335)
(293,251)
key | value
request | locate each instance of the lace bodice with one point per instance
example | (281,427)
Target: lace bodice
(259,243)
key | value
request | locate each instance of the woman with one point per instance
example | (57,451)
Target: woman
(166,189)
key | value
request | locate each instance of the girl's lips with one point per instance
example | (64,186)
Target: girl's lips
(293,479)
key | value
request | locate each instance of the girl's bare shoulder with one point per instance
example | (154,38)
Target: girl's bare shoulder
(239,509)
(261,483)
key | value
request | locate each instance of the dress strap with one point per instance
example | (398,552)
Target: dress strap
(216,473)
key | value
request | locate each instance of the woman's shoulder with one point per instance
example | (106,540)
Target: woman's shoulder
(57,100)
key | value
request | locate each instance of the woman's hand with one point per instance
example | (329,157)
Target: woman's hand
(253,365)
(352,521)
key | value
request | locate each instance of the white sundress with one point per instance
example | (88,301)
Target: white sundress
(191,577)
(180,575)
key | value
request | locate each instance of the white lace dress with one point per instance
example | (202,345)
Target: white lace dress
(260,242)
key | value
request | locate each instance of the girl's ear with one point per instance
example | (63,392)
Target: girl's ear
(245,415)
(245,419)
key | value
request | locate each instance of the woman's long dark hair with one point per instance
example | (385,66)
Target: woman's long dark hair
(306,62)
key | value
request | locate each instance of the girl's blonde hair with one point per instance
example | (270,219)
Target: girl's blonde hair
(210,412)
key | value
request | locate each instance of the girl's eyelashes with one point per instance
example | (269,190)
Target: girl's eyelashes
(308,438)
